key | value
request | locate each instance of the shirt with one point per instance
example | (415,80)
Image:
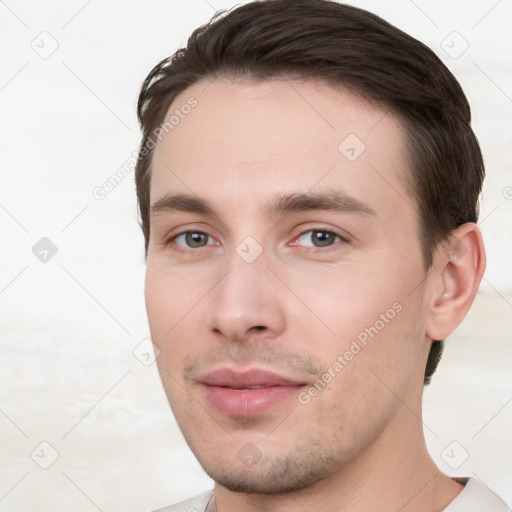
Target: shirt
(475,497)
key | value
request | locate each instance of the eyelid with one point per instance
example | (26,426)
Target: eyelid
(343,237)
(171,238)
(174,233)
(325,229)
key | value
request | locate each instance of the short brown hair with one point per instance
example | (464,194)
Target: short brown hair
(347,46)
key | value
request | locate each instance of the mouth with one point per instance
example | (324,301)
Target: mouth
(248,394)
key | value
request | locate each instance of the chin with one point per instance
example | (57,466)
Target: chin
(269,475)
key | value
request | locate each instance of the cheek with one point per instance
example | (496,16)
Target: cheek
(170,309)
(365,322)
(169,298)
(371,385)
(379,376)
(346,301)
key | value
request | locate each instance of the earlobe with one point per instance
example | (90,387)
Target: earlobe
(459,267)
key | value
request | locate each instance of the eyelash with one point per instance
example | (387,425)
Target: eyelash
(179,248)
(322,230)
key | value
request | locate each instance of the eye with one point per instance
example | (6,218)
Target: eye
(318,238)
(191,239)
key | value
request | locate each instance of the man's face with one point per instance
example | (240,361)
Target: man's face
(290,334)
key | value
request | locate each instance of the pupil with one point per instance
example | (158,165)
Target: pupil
(195,239)
(323,238)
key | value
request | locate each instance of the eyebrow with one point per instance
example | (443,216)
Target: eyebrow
(279,205)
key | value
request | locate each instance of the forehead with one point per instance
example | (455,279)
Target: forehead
(276,135)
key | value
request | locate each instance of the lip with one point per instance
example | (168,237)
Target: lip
(249,393)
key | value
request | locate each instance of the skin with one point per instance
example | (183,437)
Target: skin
(358,444)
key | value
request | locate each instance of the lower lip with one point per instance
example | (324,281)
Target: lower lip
(250,402)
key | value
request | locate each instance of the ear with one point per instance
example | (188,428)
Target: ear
(458,269)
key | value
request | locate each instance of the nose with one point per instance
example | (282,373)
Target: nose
(247,302)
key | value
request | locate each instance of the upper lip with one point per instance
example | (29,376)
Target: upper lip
(226,377)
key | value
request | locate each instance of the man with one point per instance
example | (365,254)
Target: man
(308,183)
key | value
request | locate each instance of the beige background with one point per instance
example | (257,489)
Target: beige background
(69,327)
